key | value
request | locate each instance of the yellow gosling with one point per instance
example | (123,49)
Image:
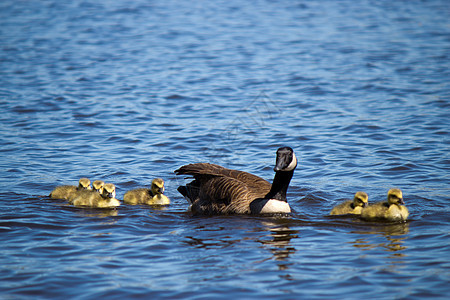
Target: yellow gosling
(93,199)
(65,192)
(354,206)
(152,196)
(97,186)
(391,210)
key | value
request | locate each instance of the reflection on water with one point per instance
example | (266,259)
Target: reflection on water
(209,243)
(279,242)
(158,207)
(215,236)
(98,213)
(394,234)
(280,245)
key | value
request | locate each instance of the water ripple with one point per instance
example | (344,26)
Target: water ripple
(126,92)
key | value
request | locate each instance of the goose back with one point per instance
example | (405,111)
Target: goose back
(202,170)
(218,190)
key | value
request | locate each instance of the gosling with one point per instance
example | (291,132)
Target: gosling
(391,210)
(152,196)
(93,199)
(97,186)
(65,192)
(354,206)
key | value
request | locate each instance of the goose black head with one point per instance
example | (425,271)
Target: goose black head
(395,196)
(286,160)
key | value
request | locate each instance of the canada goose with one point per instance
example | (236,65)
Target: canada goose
(351,206)
(97,186)
(93,199)
(152,196)
(217,190)
(67,191)
(392,210)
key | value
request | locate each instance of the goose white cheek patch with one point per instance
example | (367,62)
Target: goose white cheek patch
(293,163)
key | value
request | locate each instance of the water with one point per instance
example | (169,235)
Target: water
(129,91)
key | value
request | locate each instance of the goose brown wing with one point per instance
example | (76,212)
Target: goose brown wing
(226,195)
(199,168)
(202,170)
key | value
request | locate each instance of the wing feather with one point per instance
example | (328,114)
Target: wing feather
(220,190)
(199,169)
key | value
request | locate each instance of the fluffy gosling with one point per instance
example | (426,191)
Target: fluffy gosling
(354,206)
(152,196)
(93,199)
(97,186)
(65,192)
(391,210)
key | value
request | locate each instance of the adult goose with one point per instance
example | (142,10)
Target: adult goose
(216,190)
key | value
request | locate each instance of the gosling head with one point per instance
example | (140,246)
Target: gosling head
(286,160)
(84,184)
(361,199)
(98,186)
(395,197)
(157,186)
(109,190)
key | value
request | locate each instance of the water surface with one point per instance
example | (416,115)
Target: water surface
(129,91)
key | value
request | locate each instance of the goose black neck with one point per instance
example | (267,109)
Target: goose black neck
(280,185)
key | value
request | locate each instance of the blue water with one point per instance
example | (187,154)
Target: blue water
(126,91)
